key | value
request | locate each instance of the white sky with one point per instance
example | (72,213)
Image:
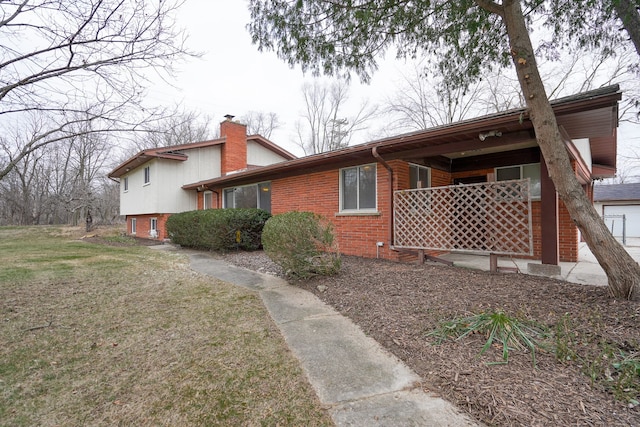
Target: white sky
(232,77)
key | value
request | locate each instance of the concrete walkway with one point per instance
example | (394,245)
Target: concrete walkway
(359,381)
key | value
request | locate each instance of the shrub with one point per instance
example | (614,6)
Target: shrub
(511,332)
(218,229)
(302,243)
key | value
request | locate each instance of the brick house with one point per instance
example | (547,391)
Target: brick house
(151,181)
(355,187)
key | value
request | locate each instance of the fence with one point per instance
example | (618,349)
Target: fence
(493,218)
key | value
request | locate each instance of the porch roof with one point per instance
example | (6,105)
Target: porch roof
(592,115)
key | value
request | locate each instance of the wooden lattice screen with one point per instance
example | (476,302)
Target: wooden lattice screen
(492,218)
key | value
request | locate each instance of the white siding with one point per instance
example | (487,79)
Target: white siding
(257,155)
(584,148)
(163,194)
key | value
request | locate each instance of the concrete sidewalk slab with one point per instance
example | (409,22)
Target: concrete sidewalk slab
(360,382)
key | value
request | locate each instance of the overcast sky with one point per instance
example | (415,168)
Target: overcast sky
(232,77)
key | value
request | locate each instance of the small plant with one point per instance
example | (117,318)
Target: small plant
(565,340)
(497,326)
(627,377)
(302,243)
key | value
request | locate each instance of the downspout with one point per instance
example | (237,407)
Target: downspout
(374,153)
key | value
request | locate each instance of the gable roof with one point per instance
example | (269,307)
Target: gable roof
(174,152)
(616,192)
(592,115)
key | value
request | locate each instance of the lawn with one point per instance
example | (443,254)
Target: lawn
(125,335)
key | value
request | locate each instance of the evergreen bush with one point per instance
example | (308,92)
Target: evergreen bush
(218,229)
(302,243)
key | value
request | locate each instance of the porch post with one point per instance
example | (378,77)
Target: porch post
(549,213)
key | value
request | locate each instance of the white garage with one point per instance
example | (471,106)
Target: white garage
(613,217)
(618,200)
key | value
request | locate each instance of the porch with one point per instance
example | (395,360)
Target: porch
(585,271)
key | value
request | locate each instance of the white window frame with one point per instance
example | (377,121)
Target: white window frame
(428,169)
(204,200)
(147,175)
(134,225)
(125,184)
(358,210)
(153,227)
(521,167)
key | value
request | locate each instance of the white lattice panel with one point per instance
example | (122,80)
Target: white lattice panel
(491,217)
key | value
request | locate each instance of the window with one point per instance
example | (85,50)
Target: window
(208,200)
(125,183)
(153,227)
(147,174)
(133,226)
(531,171)
(249,196)
(419,176)
(358,188)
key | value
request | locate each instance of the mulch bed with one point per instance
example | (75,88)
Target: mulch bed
(399,304)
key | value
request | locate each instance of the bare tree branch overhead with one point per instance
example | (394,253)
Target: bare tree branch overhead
(62,57)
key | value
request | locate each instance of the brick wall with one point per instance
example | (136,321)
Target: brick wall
(234,150)
(358,234)
(319,193)
(143,225)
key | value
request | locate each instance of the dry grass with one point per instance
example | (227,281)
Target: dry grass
(97,335)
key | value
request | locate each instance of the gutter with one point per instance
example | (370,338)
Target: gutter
(374,153)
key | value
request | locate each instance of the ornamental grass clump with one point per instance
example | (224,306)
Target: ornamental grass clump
(302,243)
(497,326)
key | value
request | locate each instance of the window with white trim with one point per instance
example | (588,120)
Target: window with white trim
(531,171)
(207,200)
(249,196)
(147,174)
(419,176)
(125,183)
(133,225)
(358,189)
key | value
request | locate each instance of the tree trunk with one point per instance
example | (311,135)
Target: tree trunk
(622,271)
(630,17)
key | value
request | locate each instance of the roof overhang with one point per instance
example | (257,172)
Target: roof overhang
(592,115)
(169,153)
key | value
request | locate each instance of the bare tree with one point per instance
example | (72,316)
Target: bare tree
(59,58)
(324,126)
(180,128)
(422,101)
(261,123)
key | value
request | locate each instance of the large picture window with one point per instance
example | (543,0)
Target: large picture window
(249,196)
(358,188)
(531,171)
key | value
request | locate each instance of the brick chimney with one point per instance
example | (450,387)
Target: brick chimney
(234,150)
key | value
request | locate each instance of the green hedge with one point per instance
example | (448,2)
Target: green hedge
(218,229)
(302,243)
